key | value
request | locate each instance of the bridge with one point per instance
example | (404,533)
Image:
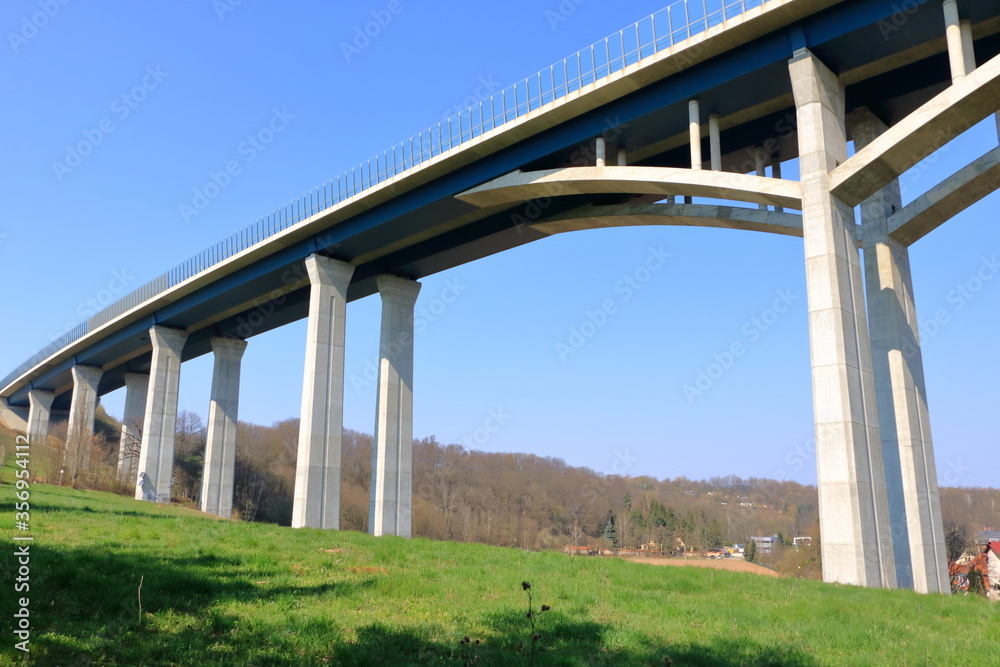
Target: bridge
(705,99)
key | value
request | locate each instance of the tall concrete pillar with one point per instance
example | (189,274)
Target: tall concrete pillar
(316,502)
(968,46)
(39,414)
(136,387)
(156,458)
(694,130)
(907,449)
(760,162)
(854,517)
(715,142)
(953,33)
(392,472)
(622,157)
(82,409)
(600,150)
(220,446)
(776,173)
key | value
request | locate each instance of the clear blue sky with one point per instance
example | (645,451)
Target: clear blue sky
(209,77)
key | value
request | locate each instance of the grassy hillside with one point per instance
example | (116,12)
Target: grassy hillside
(217,592)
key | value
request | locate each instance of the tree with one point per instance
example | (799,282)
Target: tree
(957,539)
(609,531)
(750,553)
(713,535)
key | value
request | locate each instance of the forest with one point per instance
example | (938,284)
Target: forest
(516,499)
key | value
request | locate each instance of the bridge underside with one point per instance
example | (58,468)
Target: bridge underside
(799,84)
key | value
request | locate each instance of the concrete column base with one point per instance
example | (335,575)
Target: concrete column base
(390,512)
(129,445)
(220,447)
(39,415)
(907,450)
(83,407)
(316,501)
(156,459)
(854,519)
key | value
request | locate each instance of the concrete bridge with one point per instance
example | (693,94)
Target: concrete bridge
(707,99)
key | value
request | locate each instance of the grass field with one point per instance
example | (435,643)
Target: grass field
(217,592)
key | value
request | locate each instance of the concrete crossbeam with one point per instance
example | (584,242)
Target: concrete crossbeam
(901,397)
(947,199)
(950,113)
(136,388)
(675,215)
(316,499)
(223,417)
(390,512)
(857,547)
(156,457)
(521,186)
(39,415)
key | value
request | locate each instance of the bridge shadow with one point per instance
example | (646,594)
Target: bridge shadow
(204,608)
(85,604)
(564,642)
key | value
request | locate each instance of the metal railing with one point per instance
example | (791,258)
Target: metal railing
(675,23)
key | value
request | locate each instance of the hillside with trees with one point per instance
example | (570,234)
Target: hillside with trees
(524,500)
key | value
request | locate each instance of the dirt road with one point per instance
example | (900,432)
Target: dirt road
(731,564)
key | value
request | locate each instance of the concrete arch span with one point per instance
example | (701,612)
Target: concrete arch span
(672,215)
(521,186)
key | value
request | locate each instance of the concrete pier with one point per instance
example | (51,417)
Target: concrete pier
(953,33)
(39,415)
(316,502)
(392,473)
(714,142)
(82,408)
(223,410)
(857,546)
(136,387)
(694,124)
(908,453)
(156,459)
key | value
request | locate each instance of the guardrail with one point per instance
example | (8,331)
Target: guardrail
(675,23)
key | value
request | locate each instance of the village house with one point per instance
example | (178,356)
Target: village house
(984,566)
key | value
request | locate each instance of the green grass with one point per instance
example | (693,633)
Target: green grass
(224,593)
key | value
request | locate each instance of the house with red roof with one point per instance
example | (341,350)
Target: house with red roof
(984,567)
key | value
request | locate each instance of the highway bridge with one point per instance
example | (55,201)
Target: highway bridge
(704,99)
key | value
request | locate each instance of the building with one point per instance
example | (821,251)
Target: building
(985,565)
(993,570)
(765,543)
(804,541)
(987,535)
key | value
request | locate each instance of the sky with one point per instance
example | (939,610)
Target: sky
(579,346)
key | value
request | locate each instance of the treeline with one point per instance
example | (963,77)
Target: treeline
(520,500)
